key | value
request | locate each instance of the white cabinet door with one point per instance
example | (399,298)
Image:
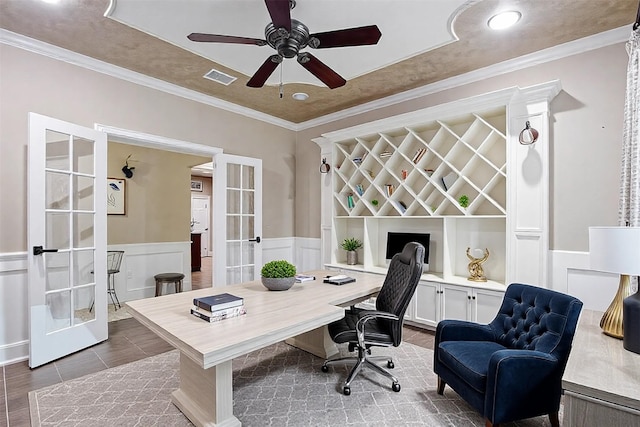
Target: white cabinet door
(456,302)
(426,307)
(486,305)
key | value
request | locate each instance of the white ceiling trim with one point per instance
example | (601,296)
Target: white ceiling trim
(586,44)
(575,47)
(55,52)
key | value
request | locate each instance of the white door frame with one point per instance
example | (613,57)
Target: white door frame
(141,139)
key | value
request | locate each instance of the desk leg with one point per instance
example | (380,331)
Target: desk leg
(317,342)
(205,396)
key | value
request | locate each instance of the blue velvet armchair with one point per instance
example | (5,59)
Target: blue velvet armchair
(512,368)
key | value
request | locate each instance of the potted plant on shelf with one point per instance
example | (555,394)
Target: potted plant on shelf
(351,245)
(278,275)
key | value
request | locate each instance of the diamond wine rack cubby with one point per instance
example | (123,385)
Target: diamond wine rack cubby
(425,170)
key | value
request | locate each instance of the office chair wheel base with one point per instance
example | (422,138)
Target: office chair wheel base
(395,387)
(390,364)
(324,368)
(346,391)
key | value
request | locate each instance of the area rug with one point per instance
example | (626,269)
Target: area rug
(276,386)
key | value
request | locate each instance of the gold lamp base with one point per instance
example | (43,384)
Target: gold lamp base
(611,322)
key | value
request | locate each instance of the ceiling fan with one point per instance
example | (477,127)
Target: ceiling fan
(289,36)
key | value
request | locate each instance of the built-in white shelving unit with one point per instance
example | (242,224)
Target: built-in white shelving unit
(408,173)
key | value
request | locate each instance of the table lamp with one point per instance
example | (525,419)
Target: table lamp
(617,250)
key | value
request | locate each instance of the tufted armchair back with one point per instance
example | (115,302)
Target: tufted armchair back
(534,319)
(399,286)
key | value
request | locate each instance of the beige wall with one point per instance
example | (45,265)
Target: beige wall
(34,83)
(586,126)
(158,196)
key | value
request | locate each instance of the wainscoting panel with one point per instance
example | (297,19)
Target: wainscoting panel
(14,324)
(303,252)
(571,274)
(143,261)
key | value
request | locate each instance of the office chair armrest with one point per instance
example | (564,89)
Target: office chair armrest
(366,315)
(461,330)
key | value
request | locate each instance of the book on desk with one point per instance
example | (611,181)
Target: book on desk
(216,316)
(218,302)
(340,279)
(304,278)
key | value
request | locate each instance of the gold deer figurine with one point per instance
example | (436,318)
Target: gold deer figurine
(476,272)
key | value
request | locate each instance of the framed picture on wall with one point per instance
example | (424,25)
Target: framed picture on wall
(116,196)
(196,185)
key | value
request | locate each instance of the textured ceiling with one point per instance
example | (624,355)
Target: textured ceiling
(80,26)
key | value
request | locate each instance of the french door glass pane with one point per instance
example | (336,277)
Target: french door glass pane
(248,177)
(82,230)
(233,201)
(247,202)
(57,235)
(57,151)
(233,253)
(233,176)
(83,155)
(247,273)
(57,270)
(248,252)
(58,310)
(247,227)
(83,194)
(233,228)
(82,299)
(57,190)
(233,275)
(83,267)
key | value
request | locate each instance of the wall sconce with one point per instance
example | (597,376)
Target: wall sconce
(128,172)
(528,135)
(324,167)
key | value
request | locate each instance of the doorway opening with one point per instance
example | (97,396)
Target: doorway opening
(201,232)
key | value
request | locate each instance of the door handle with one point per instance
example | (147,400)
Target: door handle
(257,239)
(37,250)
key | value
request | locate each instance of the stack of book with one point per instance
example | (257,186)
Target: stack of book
(218,307)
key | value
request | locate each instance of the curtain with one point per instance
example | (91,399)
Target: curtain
(629,207)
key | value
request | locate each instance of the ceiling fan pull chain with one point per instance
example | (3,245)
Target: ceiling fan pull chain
(281,90)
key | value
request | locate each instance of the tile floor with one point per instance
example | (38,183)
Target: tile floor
(128,341)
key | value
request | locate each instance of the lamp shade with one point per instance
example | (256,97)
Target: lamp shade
(615,249)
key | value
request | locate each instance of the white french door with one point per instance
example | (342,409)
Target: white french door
(67,242)
(237,183)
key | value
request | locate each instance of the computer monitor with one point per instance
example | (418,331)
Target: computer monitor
(397,240)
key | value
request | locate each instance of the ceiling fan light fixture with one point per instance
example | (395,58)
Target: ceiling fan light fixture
(504,20)
(300,96)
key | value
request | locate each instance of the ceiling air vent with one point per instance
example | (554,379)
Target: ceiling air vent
(220,77)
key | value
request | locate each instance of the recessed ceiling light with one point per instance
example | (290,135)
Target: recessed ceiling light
(300,96)
(504,20)
(51,1)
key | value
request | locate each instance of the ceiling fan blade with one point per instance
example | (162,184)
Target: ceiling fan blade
(280,13)
(217,38)
(348,37)
(265,70)
(320,70)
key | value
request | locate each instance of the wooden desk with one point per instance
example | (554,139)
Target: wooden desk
(602,380)
(206,350)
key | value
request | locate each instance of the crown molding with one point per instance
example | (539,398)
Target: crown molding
(58,53)
(575,47)
(596,41)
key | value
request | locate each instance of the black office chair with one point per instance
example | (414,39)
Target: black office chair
(381,327)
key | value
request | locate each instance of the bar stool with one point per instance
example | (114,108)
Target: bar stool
(175,278)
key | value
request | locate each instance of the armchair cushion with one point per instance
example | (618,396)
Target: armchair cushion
(470,359)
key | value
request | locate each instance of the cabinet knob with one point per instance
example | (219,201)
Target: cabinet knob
(468,296)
